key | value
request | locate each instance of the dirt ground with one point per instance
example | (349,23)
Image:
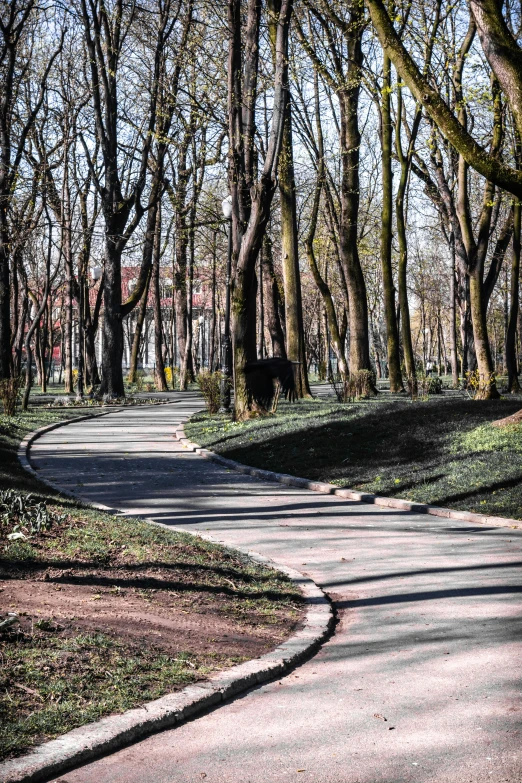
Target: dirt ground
(98,615)
(136,611)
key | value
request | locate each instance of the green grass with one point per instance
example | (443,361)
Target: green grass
(443,451)
(102,677)
(55,678)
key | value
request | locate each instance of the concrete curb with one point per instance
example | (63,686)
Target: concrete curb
(86,743)
(349,494)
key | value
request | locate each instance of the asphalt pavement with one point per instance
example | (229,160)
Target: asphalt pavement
(421,680)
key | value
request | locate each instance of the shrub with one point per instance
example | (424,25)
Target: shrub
(435,385)
(359,386)
(9,393)
(140,377)
(210,387)
(172,377)
(478,387)
(424,385)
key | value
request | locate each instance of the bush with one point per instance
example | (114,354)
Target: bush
(172,377)
(424,385)
(435,385)
(9,393)
(477,387)
(210,387)
(359,386)
(140,377)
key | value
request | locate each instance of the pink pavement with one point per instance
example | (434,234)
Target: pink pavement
(421,680)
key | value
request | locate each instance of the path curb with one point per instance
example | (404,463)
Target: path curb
(349,494)
(109,734)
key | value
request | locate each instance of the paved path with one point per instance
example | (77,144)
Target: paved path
(420,681)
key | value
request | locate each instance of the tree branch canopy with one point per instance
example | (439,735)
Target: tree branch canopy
(476,156)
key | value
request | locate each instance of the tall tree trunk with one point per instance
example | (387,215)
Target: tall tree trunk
(271,299)
(112,352)
(487,387)
(392,333)
(161,381)
(295,344)
(251,240)
(404,308)
(140,320)
(69,282)
(212,351)
(350,143)
(513,385)
(453,315)
(39,310)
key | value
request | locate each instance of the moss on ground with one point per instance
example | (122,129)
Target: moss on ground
(442,451)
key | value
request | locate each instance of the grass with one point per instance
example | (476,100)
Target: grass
(56,677)
(103,676)
(442,451)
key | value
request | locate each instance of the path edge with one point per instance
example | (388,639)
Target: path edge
(349,494)
(86,743)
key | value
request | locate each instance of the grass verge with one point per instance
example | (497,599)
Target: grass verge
(102,614)
(442,451)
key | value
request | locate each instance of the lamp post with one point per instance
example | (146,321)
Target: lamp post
(226,372)
(96,273)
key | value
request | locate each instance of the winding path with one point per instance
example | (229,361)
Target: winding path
(421,681)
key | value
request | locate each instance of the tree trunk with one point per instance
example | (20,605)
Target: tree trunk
(487,389)
(161,381)
(453,316)
(392,334)
(404,308)
(350,143)
(68,264)
(271,299)
(140,320)
(263,192)
(295,345)
(513,384)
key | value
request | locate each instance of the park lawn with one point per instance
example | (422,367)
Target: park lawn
(442,451)
(110,612)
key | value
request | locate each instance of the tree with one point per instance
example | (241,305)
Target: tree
(18,21)
(250,212)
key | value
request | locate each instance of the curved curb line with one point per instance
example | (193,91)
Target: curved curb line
(109,734)
(349,494)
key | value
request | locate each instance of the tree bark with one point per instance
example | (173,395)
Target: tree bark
(262,197)
(392,333)
(272,300)
(513,384)
(161,381)
(140,320)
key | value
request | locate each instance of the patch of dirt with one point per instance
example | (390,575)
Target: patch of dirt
(170,621)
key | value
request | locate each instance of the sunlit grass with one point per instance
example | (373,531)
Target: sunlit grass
(442,451)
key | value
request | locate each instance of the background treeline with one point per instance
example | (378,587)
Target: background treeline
(371,153)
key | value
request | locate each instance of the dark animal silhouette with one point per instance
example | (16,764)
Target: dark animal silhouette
(268,378)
